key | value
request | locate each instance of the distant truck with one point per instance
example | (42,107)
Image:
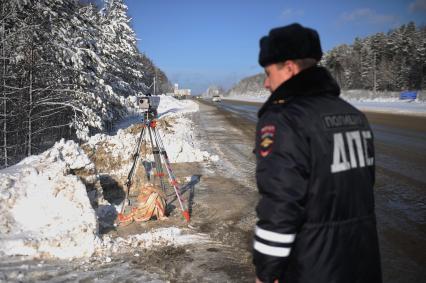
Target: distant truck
(216,98)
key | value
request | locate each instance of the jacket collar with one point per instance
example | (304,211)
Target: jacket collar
(312,81)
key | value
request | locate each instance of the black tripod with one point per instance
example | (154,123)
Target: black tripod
(160,158)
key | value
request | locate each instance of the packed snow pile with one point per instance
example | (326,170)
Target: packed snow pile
(45,209)
(253,98)
(44,199)
(169,105)
(179,141)
(157,237)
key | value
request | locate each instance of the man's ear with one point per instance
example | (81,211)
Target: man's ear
(293,68)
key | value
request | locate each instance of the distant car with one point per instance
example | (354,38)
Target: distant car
(216,98)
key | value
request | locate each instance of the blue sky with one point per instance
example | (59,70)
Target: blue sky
(198,43)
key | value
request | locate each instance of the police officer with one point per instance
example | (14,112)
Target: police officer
(314,171)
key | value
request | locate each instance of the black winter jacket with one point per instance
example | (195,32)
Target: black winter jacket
(315,173)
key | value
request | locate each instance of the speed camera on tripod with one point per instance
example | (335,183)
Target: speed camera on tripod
(149,103)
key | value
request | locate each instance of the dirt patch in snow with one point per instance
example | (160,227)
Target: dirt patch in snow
(102,158)
(166,124)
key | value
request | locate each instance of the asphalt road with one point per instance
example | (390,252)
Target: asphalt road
(400,142)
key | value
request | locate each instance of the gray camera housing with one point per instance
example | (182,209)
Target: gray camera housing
(148,102)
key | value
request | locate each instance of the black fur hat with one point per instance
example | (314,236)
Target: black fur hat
(289,42)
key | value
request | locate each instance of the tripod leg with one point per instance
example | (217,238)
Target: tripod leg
(145,163)
(172,177)
(157,159)
(131,174)
(135,158)
(165,158)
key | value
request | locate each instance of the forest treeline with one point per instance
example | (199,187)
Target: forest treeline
(393,61)
(66,68)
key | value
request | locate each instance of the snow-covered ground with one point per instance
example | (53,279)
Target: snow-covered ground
(46,211)
(254,98)
(396,107)
(364,102)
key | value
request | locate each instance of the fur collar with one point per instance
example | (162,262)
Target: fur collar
(312,81)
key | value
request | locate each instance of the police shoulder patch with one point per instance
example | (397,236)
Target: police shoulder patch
(267,136)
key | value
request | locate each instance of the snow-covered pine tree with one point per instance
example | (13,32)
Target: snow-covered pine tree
(378,42)
(407,50)
(367,64)
(412,38)
(338,61)
(421,55)
(399,65)
(395,61)
(124,73)
(47,63)
(55,69)
(85,72)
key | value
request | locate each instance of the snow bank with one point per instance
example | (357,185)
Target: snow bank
(256,98)
(158,237)
(388,102)
(169,105)
(258,95)
(362,95)
(180,143)
(45,209)
(395,107)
